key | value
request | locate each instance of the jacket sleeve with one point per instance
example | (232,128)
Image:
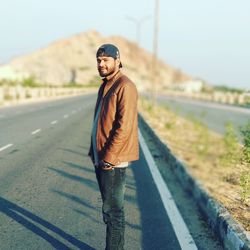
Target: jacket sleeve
(90,153)
(126,113)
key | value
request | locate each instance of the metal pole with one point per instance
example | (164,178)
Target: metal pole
(155,52)
(138,23)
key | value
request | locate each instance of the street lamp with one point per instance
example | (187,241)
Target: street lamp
(138,23)
(155,52)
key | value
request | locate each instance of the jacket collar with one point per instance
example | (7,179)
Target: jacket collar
(110,80)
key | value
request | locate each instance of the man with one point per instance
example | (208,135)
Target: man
(114,140)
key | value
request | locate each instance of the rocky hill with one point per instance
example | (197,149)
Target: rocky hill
(72,60)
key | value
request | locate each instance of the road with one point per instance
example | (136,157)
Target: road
(213,115)
(49,198)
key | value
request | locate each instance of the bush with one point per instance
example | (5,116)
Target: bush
(245,131)
(30,82)
(231,156)
(227,89)
(245,186)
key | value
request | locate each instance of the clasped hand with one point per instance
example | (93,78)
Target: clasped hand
(105,165)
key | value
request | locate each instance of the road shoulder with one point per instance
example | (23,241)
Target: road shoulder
(231,234)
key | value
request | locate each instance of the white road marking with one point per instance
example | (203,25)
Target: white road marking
(184,237)
(5,147)
(54,122)
(65,116)
(36,131)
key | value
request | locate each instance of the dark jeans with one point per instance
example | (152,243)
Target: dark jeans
(112,188)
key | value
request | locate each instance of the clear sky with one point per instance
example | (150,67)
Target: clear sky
(206,39)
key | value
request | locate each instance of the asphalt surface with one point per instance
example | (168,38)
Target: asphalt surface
(49,198)
(214,115)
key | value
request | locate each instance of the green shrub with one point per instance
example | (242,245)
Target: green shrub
(245,131)
(231,156)
(169,125)
(30,82)
(245,185)
(227,89)
(8,82)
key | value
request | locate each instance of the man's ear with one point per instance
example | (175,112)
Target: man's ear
(118,61)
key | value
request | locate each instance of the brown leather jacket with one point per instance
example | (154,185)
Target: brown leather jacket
(117,127)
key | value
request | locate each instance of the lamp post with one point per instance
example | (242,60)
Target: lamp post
(135,51)
(138,23)
(155,52)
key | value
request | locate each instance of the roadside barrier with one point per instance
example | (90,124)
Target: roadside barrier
(220,97)
(17,94)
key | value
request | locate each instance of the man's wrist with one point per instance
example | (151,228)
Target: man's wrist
(105,165)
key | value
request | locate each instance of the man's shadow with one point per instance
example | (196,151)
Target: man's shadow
(24,217)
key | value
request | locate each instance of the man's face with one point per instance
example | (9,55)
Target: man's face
(107,65)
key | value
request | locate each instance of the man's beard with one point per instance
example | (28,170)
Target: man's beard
(106,74)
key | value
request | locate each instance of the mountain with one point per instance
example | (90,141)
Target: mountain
(72,60)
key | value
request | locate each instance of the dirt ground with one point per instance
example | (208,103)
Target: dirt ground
(203,152)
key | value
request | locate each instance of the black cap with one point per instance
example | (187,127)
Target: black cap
(109,50)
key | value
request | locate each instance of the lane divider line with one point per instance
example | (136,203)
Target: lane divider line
(182,233)
(65,116)
(36,131)
(54,122)
(5,147)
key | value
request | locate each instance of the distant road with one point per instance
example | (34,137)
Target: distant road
(49,198)
(214,115)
